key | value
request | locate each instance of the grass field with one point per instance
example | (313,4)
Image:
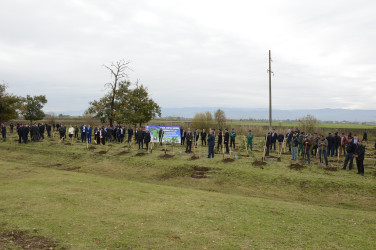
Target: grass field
(69,197)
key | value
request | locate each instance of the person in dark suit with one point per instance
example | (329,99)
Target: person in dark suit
(226,140)
(62,132)
(219,143)
(48,129)
(140,138)
(211,143)
(19,132)
(359,157)
(331,143)
(136,135)
(188,148)
(102,136)
(25,133)
(183,135)
(203,137)
(268,143)
(130,134)
(4,132)
(337,143)
(197,136)
(76,130)
(89,130)
(83,133)
(41,130)
(274,139)
(147,139)
(350,151)
(11,128)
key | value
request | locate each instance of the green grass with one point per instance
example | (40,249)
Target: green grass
(94,201)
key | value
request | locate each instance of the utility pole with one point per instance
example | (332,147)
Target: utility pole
(270,90)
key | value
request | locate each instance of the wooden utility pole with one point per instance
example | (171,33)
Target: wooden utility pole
(270,91)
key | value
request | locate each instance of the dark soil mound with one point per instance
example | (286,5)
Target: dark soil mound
(296,166)
(164,150)
(331,169)
(72,168)
(25,241)
(68,143)
(140,154)
(91,147)
(199,172)
(125,147)
(102,152)
(198,168)
(193,157)
(55,166)
(166,156)
(258,163)
(227,160)
(123,153)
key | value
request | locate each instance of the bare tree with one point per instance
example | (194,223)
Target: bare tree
(118,71)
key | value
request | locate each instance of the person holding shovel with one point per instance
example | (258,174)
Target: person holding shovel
(323,147)
(232,138)
(147,139)
(307,150)
(226,139)
(294,146)
(280,139)
(359,157)
(160,136)
(189,141)
(250,140)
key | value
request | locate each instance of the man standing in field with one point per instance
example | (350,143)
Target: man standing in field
(227,137)
(189,141)
(344,141)
(337,142)
(294,146)
(140,138)
(323,146)
(211,143)
(4,132)
(83,133)
(147,139)
(280,139)
(288,138)
(203,137)
(232,138)
(160,136)
(197,136)
(130,134)
(359,157)
(274,139)
(307,150)
(350,151)
(315,141)
(250,140)
(183,135)
(89,130)
(220,135)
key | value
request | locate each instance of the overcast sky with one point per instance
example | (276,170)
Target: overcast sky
(193,53)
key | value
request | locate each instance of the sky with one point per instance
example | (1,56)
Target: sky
(193,53)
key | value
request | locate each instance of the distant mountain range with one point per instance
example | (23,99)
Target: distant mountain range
(263,113)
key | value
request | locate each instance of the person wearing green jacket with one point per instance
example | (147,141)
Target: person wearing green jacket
(250,140)
(232,138)
(160,136)
(300,145)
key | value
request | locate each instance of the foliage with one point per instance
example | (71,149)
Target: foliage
(32,107)
(9,105)
(220,118)
(137,107)
(309,124)
(202,121)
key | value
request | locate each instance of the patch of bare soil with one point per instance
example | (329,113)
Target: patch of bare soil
(92,148)
(123,153)
(166,156)
(296,166)
(68,143)
(125,146)
(102,152)
(72,168)
(24,240)
(258,163)
(200,172)
(228,160)
(140,154)
(163,150)
(55,165)
(331,168)
(193,157)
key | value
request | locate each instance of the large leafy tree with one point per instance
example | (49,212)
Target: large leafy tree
(9,104)
(138,107)
(32,108)
(220,118)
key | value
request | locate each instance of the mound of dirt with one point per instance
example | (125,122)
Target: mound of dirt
(164,150)
(258,163)
(102,152)
(92,148)
(123,153)
(140,154)
(193,157)
(296,166)
(68,143)
(72,168)
(125,146)
(23,240)
(166,156)
(331,168)
(227,160)
(55,165)
(200,172)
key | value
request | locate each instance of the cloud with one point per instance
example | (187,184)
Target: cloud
(193,53)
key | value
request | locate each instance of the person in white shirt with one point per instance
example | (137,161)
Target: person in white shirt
(71,132)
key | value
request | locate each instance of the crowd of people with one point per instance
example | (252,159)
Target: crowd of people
(306,145)
(300,144)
